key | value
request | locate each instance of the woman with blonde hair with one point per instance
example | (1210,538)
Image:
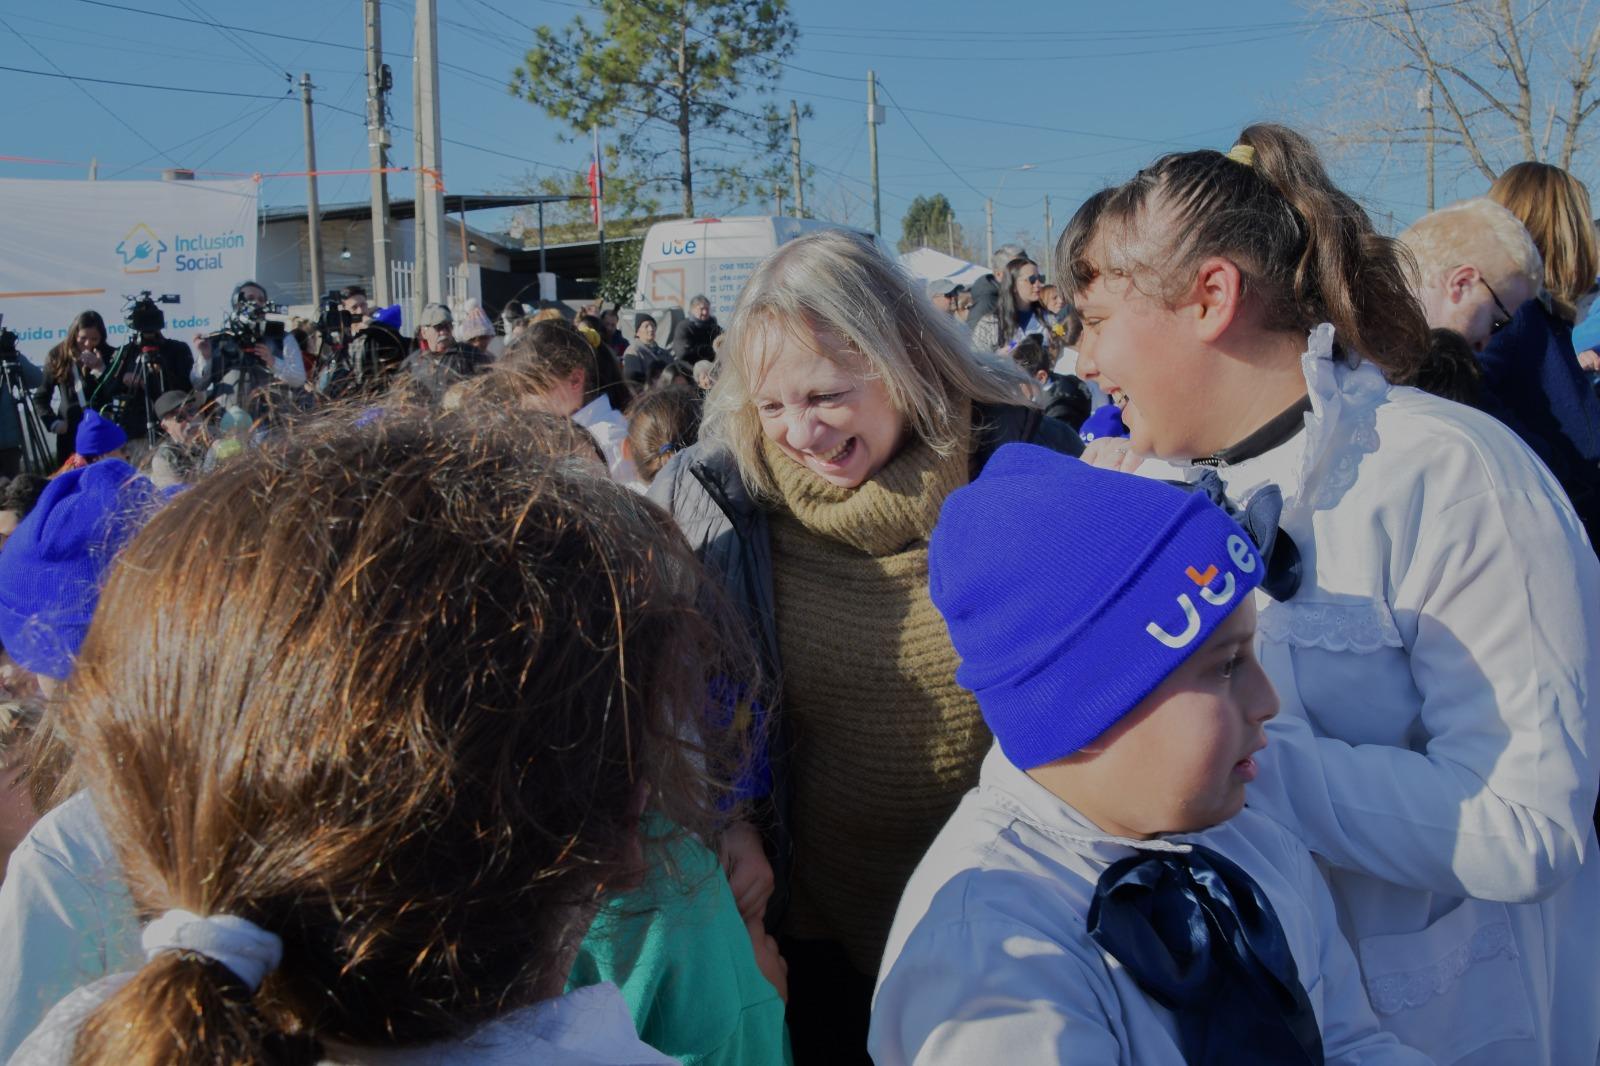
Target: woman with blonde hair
(1554,206)
(846,410)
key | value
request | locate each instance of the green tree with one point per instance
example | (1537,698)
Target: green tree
(621,272)
(931,221)
(655,72)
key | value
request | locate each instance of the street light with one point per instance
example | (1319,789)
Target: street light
(989,212)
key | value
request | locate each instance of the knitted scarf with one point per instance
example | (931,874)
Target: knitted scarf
(885,742)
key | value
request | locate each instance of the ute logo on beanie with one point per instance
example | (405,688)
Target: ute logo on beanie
(1243,558)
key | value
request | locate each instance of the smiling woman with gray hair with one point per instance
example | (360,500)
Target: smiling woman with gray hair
(845,412)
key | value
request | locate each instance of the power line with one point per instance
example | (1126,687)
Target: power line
(77,82)
(908,33)
(251,112)
(244,46)
(134,85)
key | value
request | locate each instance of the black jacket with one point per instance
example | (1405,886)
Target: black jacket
(727,528)
(167,368)
(1532,382)
(55,401)
(642,362)
(692,339)
(1066,398)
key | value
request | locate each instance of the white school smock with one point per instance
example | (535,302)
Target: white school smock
(610,430)
(1437,745)
(586,1027)
(989,959)
(66,918)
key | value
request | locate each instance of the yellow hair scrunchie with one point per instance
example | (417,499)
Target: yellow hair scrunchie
(1242,153)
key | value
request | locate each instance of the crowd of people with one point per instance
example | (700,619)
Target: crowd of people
(1185,660)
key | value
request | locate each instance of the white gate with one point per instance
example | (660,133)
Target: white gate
(402,289)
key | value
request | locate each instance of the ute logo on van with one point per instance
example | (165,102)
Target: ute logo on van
(678,247)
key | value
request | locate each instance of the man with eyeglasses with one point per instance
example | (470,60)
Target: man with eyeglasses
(1475,266)
(1478,273)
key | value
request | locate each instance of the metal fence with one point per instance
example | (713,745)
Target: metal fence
(402,287)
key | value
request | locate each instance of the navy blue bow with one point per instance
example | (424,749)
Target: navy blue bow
(1258,517)
(1201,938)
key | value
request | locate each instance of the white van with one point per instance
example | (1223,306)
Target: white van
(714,256)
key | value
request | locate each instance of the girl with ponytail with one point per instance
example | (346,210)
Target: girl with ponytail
(369,789)
(1431,628)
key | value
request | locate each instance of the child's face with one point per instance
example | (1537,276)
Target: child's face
(1179,762)
(1142,353)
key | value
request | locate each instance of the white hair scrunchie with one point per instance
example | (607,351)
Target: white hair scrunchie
(246,949)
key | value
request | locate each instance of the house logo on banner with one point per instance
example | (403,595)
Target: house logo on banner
(141,250)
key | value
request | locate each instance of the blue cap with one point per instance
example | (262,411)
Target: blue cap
(390,316)
(1106,421)
(52,565)
(1154,571)
(97,435)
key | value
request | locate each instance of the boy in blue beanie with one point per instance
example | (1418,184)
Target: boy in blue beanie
(52,567)
(99,438)
(1103,895)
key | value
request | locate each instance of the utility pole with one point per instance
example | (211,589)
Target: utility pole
(94,168)
(378,153)
(313,210)
(432,205)
(794,161)
(988,231)
(777,200)
(599,212)
(419,245)
(1046,250)
(950,233)
(874,120)
(1425,105)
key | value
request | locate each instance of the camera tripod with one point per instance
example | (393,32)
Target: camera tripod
(38,457)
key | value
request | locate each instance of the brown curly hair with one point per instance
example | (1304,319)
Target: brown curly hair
(409,727)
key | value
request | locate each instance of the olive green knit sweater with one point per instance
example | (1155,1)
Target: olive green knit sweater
(885,742)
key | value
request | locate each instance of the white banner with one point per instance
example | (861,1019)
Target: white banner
(70,246)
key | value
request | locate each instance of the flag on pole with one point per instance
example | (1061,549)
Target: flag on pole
(596,182)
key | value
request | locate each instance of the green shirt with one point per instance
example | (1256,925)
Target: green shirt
(679,951)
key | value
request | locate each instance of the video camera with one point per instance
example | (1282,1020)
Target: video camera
(246,324)
(142,314)
(333,319)
(8,344)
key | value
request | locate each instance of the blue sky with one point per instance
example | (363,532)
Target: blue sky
(1084,92)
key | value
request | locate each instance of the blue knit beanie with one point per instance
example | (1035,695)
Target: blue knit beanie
(52,565)
(97,435)
(1150,571)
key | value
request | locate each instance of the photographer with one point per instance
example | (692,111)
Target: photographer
(76,380)
(264,352)
(376,348)
(147,366)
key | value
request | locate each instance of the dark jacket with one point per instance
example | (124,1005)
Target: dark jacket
(55,400)
(642,362)
(985,298)
(1067,399)
(692,339)
(167,368)
(728,530)
(437,371)
(1532,382)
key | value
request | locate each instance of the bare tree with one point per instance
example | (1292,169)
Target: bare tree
(1470,85)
